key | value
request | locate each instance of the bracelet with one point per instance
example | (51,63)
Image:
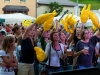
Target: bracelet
(79,53)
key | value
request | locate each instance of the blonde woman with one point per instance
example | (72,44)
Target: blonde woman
(7,57)
(27,55)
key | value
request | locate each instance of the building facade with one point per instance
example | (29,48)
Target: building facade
(42,8)
(43,5)
(27,7)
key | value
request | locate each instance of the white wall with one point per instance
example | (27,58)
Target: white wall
(41,9)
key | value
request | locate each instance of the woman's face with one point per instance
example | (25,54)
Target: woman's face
(56,37)
(1,36)
(19,31)
(32,32)
(91,33)
(62,36)
(78,31)
(47,34)
(86,34)
(38,31)
(23,30)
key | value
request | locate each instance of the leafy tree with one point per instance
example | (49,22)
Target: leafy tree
(55,6)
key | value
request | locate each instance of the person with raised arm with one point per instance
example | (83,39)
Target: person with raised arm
(27,56)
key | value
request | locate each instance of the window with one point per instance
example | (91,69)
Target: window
(6,0)
(22,0)
(10,12)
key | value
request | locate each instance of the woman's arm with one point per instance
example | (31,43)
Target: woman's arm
(98,34)
(97,52)
(2,64)
(70,38)
(6,60)
(24,36)
(77,24)
(80,52)
(77,53)
(14,63)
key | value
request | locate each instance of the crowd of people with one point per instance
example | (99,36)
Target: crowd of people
(64,51)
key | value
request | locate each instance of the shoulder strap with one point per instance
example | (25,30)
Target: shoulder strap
(61,51)
(49,55)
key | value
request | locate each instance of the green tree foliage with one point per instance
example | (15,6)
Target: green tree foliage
(55,6)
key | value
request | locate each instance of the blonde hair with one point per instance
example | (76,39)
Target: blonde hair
(6,42)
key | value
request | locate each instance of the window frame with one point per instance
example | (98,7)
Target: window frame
(7,1)
(22,1)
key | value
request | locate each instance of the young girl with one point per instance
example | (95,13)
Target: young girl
(8,60)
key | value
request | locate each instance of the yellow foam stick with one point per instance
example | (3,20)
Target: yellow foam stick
(85,14)
(94,19)
(64,24)
(40,54)
(54,11)
(94,28)
(26,23)
(68,15)
(48,24)
(71,23)
(44,17)
(40,58)
(69,28)
(71,20)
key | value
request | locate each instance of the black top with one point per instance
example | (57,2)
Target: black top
(27,51)
(94,40)
(76,39)
(15,40)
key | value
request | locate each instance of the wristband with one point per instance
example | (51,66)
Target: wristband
(79,53)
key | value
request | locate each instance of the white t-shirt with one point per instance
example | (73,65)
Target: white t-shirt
(5,70)
(54,60)
(98,46)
